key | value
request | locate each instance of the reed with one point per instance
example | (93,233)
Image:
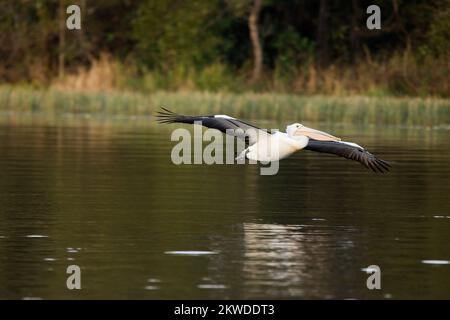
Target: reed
(337,109)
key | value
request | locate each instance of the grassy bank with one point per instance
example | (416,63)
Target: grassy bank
(354,109)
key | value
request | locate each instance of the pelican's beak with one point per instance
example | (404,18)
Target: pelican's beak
(315,134)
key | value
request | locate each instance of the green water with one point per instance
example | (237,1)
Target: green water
(108,199)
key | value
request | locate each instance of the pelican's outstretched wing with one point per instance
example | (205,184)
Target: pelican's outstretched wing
(220,122)
(350,151)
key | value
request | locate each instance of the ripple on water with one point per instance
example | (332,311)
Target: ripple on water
(212,286)
(436,261)
(369,270)
(49,259)
(36,236)
(191,253)
(151,287)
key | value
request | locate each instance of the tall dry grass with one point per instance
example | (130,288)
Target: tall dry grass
(400,74)
(103,73)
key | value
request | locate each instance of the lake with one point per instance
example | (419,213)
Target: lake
(108,199)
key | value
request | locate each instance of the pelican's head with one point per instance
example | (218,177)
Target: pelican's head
(297,129)
(291,129)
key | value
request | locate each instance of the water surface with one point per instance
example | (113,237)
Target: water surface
(108,199)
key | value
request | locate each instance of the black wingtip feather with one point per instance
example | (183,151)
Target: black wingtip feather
(381,165)
(166,116)
(167,111)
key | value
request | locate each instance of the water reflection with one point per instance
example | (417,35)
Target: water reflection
(294,260)
(274,257)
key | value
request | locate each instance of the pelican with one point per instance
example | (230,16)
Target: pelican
(297,137)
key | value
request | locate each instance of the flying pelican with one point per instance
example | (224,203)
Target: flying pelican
(297,137)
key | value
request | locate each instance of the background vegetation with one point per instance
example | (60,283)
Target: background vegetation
(58,105)
(301,47)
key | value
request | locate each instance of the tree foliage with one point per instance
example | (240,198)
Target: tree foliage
(195,35)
